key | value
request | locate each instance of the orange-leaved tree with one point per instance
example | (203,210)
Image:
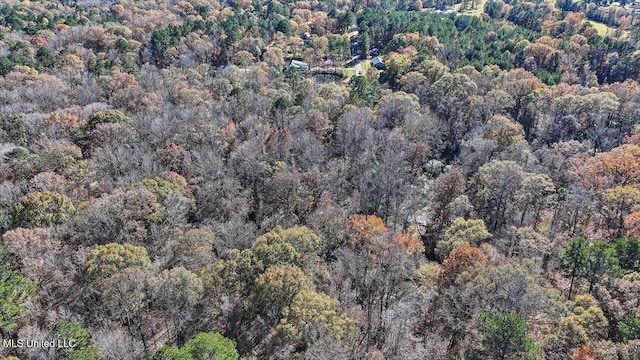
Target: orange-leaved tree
(369,235)
(460,260)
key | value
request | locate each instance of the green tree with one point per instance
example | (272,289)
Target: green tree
(574,260)
(628,253)
(83,354)
(170,353)
(284,26)
(123,46)
(364,93)
(293,77)
(161,40)
(39,209)
(601,262)
(629,330)
(264,256)
(76,336)
(232,29)
(105,260)
(461,233)
(14,292)
(71,333)
(238,270)
(586,323)
(211,346)
(46,59)
(276,288)
(303,240)
(505,336)
(107,116)
(16,128)
(205,346)
(364,42)
(6,65)
(163,189)
(310,310)
(396,66)
(345,20)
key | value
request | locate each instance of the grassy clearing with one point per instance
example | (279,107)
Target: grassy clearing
(351,71)
(605,30)
(366,65)
(475,12)
(602,29)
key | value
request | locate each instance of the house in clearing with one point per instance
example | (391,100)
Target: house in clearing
(378,63)
(296,64)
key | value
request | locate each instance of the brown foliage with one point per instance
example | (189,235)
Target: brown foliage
(582,353)
(39,41)
(64,120)
(368,233)
(632,224)
(175,157)
(620,166)
(449,186)
(461,259)
(409,241)
(364,229)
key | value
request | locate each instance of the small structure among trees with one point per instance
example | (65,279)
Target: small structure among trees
(378,63)
(296,64)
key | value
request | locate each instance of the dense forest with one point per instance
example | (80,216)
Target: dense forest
(338,179)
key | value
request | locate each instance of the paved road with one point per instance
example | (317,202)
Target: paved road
(358,67)
(355,53)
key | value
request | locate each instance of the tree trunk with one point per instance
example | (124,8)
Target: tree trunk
(573,276)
